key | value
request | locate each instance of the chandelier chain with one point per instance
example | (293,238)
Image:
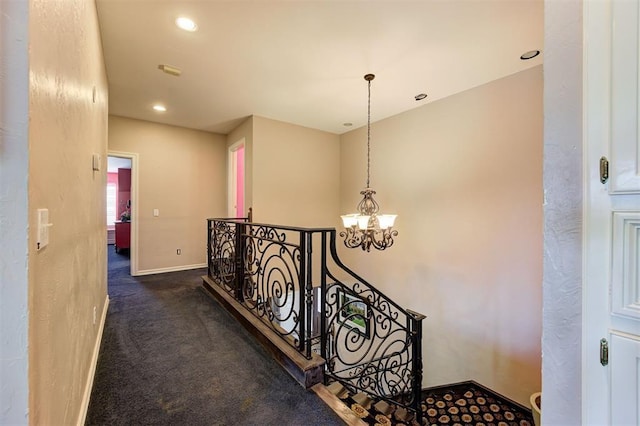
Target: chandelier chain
(368,133)
(367,228)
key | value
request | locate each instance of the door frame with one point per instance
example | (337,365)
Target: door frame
(596,245)
(133,249)
(231,178)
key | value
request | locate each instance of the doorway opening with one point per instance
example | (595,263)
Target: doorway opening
(121,193)
(236,180)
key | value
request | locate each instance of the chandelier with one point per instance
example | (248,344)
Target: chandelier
(368,228)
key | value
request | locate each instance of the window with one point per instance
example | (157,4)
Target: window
(111,204)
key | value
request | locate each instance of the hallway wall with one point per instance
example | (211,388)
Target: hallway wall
(562,344)
(182,173)
(292,172)
(296,174)
(67,119)
(14,211)
(464,174)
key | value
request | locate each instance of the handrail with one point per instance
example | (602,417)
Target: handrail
(283,227)
(369,342)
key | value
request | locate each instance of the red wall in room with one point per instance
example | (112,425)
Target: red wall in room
(112,178)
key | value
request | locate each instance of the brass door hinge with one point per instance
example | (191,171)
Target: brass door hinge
(604,170)
(604,352)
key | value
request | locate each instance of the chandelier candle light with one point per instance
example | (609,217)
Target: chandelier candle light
(368,228)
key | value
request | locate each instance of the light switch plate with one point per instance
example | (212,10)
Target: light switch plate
(156,212)
(43,228)
(97,159)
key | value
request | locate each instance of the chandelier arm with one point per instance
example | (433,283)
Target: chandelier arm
(385,240)
(352,238)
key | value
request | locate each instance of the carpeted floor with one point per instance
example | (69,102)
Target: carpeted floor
(171,355)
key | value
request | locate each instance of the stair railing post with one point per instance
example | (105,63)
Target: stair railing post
(240,251)
(303,294)
(416,341)
(210,240)
(323,301)
(309,292)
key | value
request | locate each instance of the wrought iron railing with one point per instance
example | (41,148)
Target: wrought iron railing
(317,304)
(372,345)
(269,269)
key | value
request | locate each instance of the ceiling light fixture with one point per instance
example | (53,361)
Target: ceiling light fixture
(186,24)
(159,108)
(367,228)
(529,55)
(420,97)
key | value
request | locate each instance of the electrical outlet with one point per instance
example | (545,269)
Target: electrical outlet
(179,252)
(95,315)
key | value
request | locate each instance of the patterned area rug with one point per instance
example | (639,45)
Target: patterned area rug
(460,404)
(471,404)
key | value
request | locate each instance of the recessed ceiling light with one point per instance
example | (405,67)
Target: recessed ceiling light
(529,55)
(420,97)
(347,124)
(159,108)
(186,24)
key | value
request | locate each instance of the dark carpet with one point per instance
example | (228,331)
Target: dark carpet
(170,355)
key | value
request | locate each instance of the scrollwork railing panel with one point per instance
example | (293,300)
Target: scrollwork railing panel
(272,288)
(222,253)
(372,345)
(369,344)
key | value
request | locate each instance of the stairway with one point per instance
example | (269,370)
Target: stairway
(370,410)
(466,403)
(319,319)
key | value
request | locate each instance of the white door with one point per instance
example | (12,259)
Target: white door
(611,320)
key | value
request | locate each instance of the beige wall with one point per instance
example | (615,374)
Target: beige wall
(182,173)
(465,176)
(296,174)
(67,279)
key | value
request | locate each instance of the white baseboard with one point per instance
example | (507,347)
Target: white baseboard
(111,236)
(92,368)
(171,269)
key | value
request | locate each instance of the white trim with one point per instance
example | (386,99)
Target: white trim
(596,216)
(231,177)
(111,236)
(133,250)
(84,407)
(171,269)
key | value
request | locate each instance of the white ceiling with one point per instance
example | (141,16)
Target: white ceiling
(302,61)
